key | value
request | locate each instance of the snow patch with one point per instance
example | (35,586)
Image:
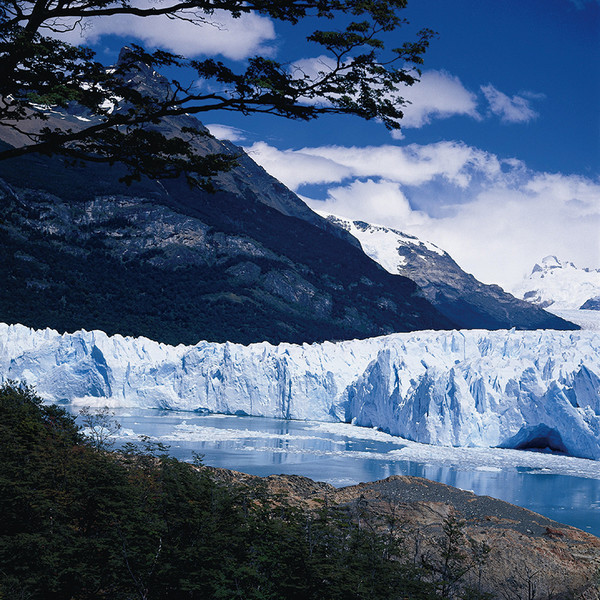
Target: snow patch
(382,244)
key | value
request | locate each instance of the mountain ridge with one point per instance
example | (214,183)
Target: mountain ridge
(250,262)
(455,293)
(247,263)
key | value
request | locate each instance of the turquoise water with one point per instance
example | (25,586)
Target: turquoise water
(343,455)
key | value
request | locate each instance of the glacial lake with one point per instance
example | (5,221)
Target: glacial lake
(565,489)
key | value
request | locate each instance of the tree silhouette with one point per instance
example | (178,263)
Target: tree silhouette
(119,119)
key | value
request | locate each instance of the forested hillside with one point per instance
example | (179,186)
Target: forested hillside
(81,522)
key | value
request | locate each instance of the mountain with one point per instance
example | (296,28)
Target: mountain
(456,294)
(248,263)
(560,285)
(515,389)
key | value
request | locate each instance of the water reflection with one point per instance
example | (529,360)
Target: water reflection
(267,446)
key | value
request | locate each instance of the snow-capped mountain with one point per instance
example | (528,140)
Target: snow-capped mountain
(455,293)
(513,388)
(557,284)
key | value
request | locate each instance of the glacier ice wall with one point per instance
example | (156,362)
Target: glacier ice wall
(460,388)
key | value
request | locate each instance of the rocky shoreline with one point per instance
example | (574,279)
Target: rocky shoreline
(521,554)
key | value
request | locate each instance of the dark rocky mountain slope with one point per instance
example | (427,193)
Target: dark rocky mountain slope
(456,294)
(248,263)
(177,265)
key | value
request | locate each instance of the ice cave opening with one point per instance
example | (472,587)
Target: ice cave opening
(539,438)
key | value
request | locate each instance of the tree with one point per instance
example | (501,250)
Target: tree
(100,427)
(451,562)
(38,70)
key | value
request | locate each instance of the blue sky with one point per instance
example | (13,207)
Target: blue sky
(498,161)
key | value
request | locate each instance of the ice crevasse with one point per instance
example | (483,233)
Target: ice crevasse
(519,389)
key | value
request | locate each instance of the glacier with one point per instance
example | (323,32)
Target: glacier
(471,388)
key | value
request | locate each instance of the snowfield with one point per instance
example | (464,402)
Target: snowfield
(559,285)
(515,389)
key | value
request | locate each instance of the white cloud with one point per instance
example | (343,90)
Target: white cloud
(506,219)
(438,95)
(225,132)
(297,168)
(220,34)
(503,231)
(380,202)
(412,164)
(312,70)
(577,193)
(510,110)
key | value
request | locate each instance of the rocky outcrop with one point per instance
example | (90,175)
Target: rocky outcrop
(506,551)
(591,304)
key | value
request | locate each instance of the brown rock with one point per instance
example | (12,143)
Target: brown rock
(522,554)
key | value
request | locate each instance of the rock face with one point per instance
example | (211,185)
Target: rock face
(248,263)
(533,390)
(456,294)
(591,304)
(219,268)
(560,285)
(511,553)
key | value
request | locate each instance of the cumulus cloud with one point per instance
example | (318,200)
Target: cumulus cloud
(295,168)
(438,95)
(383,202)
(510,110)
(506,218)
(412,164)
(504,230)
(501,232)
(221,34)
(312,70)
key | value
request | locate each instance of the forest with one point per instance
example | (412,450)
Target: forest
(81,521)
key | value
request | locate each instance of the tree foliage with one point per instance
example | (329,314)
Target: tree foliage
(37,70)
(138,524)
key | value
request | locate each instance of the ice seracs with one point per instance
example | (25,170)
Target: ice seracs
(524,389)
